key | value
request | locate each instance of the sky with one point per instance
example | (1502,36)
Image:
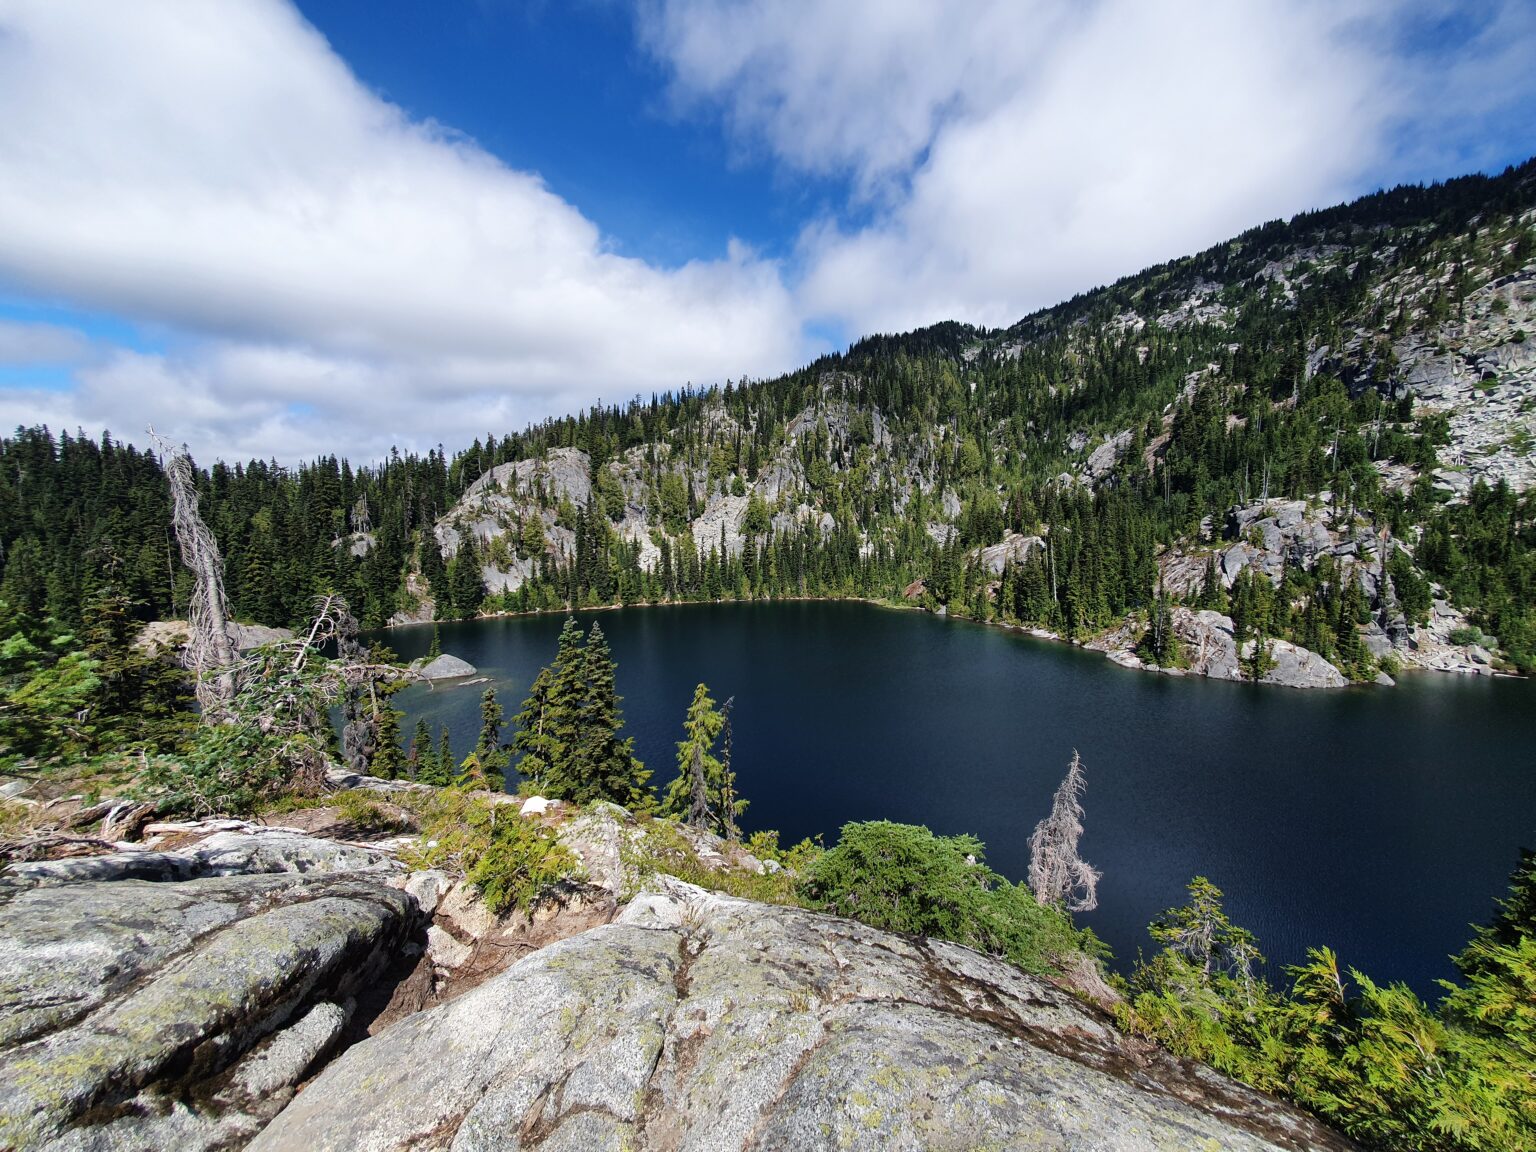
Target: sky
(276,229)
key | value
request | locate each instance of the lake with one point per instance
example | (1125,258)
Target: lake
(1379,822)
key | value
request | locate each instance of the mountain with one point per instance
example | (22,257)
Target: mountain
(1331,418)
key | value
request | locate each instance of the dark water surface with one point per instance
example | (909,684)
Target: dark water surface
(1380,822)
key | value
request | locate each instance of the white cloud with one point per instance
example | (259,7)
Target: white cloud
(326,274)
(28,342)
(1015,152)
(215,169)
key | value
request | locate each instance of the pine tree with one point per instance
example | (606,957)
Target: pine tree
(534,739)
(490,756)
(605,766)
(467,585)
(435,573)
(703,794)
(549,724)
(441,771)
(422,759)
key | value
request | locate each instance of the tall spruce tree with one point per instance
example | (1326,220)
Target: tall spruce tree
(703,793)
(605,765)
(490,755)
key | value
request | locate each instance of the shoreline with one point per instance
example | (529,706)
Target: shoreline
(1022,629)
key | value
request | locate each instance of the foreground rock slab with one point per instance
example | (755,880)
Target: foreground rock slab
(138,1014)
(697,1021)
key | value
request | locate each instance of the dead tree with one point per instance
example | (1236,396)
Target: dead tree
(1057,875)
(210,652)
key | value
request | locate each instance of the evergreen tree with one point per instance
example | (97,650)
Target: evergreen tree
(535,740)
(466,583)
(388,761)
(490,756)
(423,760)
(703,794)
(605,765)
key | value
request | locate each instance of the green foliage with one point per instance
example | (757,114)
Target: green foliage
(364,814)
(491,756)
(1372,1060)
(903,878)
(568,729)
(67,696)
(663,848)
(704,791)
(278,737)
(509,859)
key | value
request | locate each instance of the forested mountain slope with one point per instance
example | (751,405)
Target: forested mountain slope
(1322,429)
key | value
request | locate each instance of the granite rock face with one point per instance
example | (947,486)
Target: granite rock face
(181,1015)
(227,853)
(698,1021)
(1211,647)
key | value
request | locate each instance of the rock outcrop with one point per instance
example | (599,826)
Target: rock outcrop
(699,1021)
(182,1015)
(172,634)
(444,667)
(1210,644)
(1210,649)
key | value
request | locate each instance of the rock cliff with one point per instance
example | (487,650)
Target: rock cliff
(698,1021)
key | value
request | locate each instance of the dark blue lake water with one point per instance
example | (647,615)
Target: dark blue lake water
(1380,822)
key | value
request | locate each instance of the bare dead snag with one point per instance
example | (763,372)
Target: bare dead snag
(1057,875)
(211,656)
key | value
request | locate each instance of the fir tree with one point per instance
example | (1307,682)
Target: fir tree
(605,765)
(490,756)
(703,792)
(422,759)
(466,584)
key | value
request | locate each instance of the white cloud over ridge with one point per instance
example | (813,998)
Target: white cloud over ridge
(325,274)
(341,277)
(1015,152)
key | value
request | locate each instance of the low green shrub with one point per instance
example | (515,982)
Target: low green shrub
(661,848)
(903,878)
(509,859)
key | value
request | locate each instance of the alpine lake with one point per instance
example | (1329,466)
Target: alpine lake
(1381,822)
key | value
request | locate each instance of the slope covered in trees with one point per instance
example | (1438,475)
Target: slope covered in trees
(1091,462)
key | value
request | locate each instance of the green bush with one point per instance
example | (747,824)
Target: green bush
(662,849)
(520,860)
(1372,1060)
(903,878)
(509,859)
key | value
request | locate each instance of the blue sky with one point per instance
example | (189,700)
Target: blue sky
(277,229)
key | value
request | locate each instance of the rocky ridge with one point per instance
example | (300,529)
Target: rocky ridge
(184,990)
(699,1021)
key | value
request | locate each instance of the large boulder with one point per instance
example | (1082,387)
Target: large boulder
(444,667)
(180,1015)
(698,1021)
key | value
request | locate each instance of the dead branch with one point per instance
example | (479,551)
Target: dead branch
(210,652)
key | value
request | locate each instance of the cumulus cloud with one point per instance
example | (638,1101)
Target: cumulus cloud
(1010,153)
(29,342)
(333,272)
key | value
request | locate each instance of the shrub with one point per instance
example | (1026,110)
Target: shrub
(660,848)
(903,878)
(509,859)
